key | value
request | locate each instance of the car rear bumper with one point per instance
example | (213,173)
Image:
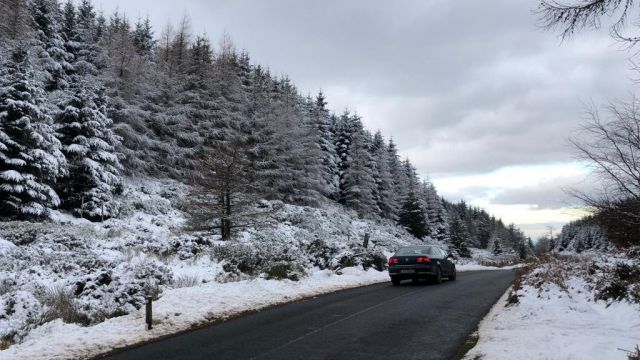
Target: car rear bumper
(410,271)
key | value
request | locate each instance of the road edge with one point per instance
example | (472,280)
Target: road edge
(502,301)
(207,323)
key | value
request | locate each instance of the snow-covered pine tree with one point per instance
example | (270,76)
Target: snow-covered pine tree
(437,223)
(356,179)
(288,158)
(343,137)
(412,216)
(143,37)
(90,147)
(484,231)
(68,22)
(56,61)
(311,182)
(321,119)
(382,176)
(497,247)
(398,175)
(459,237)
(101,27)
(30,157)
(82,41)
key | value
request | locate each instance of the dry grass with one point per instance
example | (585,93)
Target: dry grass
(547,269)
(184,281)
(4,344)
(62,305)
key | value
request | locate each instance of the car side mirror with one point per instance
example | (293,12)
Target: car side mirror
(450,256)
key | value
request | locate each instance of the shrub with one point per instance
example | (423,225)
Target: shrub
(105,294)
(185,247)
(239,258)
(620,283)
(285,270)
(20,312)
(374,259)
(321,255)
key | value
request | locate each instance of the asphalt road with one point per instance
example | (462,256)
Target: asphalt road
(411,321)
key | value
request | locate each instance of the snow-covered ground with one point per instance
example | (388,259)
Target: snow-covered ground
(557,317)
(73,289)
(180,309)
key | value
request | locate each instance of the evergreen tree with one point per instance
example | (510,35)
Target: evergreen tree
(321,119)
(30,157)
(143,37)
(382,176)
(522,250)
(82,41)
(55,59)
(484,232)
(436,214)
(459,238)
(68,22)
(398,175)
(530,245)
(412,217)
(90,147)
(101,28)
(497,247)
(356,178)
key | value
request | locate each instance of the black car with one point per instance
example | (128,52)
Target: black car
(421,262)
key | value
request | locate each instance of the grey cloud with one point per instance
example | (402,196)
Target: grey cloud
(553,195)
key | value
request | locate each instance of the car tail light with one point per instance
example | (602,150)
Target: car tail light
(424,259)
(393,261)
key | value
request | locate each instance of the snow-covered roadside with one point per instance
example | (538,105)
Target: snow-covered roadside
(550,323)
(181,309)
(476,267)
(178,310)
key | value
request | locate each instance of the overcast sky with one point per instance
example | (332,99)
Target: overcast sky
(473,92)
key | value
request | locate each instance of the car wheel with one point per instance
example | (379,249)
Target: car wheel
(437,278)
(453,275)
(395,281)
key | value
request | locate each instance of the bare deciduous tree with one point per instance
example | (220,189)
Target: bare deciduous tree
(571,16)
(612,147)
(223,193)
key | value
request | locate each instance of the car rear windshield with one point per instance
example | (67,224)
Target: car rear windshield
(416,250)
